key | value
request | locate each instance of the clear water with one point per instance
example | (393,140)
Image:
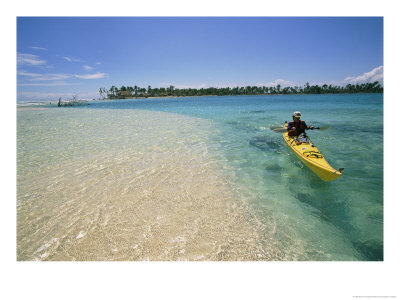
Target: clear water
(286,211)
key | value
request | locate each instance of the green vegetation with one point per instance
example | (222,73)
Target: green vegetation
(133,92)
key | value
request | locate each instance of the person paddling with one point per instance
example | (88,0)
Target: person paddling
(297,126)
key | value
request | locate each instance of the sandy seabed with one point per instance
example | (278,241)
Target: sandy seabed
(150,190)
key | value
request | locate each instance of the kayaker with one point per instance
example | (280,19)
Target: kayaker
(297,126)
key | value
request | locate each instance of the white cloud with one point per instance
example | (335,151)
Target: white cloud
(183,86)
(58,83)
(41,77)
(281,82)
(87,68)
(52,96)
(70,59)
(54,77)
(91,76)
(38,48)
(24,73)
(24,59)
(371,76)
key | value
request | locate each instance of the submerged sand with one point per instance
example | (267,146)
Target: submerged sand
(134,185)
(30,108)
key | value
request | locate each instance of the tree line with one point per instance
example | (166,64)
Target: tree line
(133,92)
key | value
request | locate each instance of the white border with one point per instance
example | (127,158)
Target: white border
(268,280)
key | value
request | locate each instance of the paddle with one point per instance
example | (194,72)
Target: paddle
(281,129)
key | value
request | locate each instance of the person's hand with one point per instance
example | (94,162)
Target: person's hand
(311,127)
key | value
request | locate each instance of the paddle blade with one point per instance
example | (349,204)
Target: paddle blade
(272,127)
(278,129)
(324,127)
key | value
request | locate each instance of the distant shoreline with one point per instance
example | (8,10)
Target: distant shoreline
(128,92)
(196,96)
(54,102)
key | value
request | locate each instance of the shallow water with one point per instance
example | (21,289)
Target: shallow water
(124,185)
(199,179)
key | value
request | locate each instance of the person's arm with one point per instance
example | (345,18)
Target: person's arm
(308,127)
(289,126)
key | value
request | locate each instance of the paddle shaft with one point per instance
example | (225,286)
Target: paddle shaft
(283,129)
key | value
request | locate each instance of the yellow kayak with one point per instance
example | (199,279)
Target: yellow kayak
(311,157)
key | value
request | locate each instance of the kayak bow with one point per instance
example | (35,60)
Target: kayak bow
(312,158)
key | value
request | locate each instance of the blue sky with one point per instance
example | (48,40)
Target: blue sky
(61,57)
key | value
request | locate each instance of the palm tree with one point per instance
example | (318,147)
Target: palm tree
(171,89)
(307,88)
(112,90)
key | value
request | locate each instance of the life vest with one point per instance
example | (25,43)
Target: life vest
(300,127)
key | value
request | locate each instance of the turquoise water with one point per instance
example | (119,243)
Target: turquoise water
(266,170)
(297,216)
